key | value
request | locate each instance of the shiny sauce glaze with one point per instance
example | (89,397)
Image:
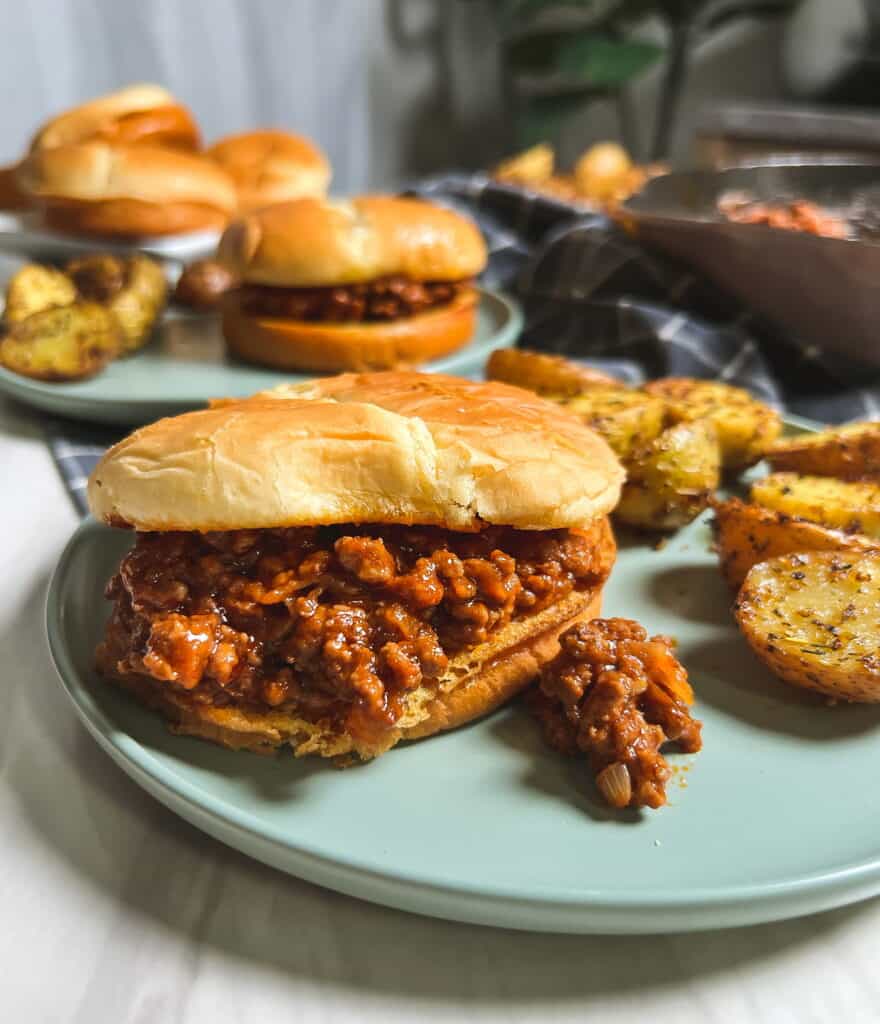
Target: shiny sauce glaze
(618,696)
(337,622)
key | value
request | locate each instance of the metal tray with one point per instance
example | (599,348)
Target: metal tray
(820,291)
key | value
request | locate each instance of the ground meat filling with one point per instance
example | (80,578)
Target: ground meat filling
(337,622)
(618,697)
(387,298)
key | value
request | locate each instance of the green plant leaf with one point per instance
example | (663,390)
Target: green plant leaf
(602,62)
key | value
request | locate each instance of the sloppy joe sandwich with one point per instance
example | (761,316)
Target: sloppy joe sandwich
(366,559)
(96,188)
(271,166)
(141,113)
(371,283)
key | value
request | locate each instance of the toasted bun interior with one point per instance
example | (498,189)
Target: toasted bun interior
(477,682)
(397,447)
(320,242)
(271,166)
(321,347)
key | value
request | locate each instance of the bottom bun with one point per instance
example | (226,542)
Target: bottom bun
(11,195)
(477,682)
(330,347)
(131,218)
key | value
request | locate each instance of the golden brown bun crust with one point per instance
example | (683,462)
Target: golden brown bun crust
(99,171)
(96,188)
(270,166)
(398,447)
(134,115)
(329,347)
(11,195)
(319,242)
(131,218)
(478,682)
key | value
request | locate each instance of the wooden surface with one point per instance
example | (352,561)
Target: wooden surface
(115,911)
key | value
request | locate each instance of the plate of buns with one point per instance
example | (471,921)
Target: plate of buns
(280,281)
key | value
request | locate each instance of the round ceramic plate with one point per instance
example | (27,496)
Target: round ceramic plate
(186,364)
(23,234)
(776,817)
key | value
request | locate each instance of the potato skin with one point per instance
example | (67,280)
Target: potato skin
(628,420)
(547,374)
(838,504)
(532,166)
(138,304)
(851,452)
(34,288)
(63,343)
(746,427)
(746,534)
(812,618)
(670,481)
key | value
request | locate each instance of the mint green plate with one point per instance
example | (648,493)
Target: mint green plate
(186,364)
(777,817)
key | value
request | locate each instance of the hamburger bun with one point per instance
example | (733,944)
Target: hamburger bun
(271,166)
(313,243)
(365,448)
(96,188)
(323,347)
(389,448)
(131,116)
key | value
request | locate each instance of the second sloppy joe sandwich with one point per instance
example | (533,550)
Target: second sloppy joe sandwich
(366,559)
(371,283)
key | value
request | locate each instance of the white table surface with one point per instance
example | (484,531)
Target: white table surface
(115,911)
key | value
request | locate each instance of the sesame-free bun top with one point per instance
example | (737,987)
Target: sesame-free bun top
(137,113)
(310,243)
(396,447)
(270,166)
(96,171)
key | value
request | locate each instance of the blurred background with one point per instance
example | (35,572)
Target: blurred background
(393,89)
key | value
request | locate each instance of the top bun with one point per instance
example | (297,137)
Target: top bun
(135,114)
(310,243)
(270,166)
(398,447)
(94,171)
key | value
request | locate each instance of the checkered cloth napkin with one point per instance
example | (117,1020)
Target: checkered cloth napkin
(591,293)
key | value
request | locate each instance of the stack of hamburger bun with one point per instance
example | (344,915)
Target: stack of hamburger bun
(130,164)
(304,282)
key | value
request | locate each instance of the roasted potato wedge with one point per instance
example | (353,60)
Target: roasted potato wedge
(546,374)
(627,419)
(135,289)
(35,288)
(63,343)
(140,302)
(747,534)
(670,481)
(531,167)
(746,427)
(842,505)
(848,453)
(812,619)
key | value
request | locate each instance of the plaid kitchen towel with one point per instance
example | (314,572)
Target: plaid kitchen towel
(591,293)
